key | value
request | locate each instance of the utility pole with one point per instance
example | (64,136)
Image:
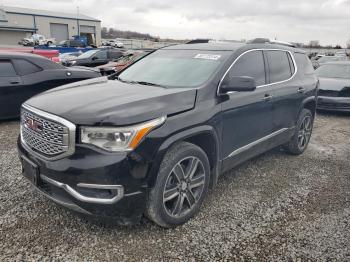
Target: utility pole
(78,25)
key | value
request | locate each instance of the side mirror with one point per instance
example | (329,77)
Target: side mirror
(238,83)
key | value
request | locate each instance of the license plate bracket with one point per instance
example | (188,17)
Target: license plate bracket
(30,171)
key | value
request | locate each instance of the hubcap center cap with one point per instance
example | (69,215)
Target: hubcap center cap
(183,186)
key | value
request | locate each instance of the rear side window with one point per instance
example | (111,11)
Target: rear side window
(7,69)
(304,63)
(279,64)
(101,55)
(115,55)
(250,64)
(25,67)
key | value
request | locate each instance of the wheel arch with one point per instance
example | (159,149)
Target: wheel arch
(309,103)
(204,137)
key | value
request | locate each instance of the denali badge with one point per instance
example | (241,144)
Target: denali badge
(34,125)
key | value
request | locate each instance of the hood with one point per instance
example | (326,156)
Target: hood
(83,68)
(333,84)
(111,102)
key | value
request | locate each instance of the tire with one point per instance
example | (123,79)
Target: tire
(301,138)
(164,200)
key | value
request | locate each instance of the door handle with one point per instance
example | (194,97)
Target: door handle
(267,97)
(301,90)
(14,82)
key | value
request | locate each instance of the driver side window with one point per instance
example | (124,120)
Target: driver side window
(250,64)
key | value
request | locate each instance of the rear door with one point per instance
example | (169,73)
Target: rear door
(287,88)
(10,90)
(247,116)
(100,58)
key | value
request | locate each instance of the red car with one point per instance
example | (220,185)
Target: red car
(122,62)
(50,54)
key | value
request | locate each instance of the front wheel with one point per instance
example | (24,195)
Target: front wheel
(181,186)
(301,138)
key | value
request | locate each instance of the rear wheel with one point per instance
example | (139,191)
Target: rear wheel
(181,186)
(301,138)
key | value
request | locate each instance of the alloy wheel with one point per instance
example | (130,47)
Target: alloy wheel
(304,133)
(184,186)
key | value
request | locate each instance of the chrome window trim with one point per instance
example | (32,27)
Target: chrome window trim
(71,132)
(263,139)
(259,49)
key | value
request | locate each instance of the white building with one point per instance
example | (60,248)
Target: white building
(17,23)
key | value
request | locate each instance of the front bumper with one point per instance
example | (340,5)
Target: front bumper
(101,185)
(341,104)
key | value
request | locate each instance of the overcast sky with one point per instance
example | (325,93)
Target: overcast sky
(288,20)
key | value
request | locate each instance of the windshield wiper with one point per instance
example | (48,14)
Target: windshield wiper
(138,82)
(146,83)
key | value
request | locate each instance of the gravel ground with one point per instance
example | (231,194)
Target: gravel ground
(275,207)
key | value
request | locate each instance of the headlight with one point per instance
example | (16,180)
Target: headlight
(118,138)
(73,62)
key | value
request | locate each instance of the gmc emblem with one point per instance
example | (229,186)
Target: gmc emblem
(34,125)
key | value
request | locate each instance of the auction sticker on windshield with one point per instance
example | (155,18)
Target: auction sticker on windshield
(207,56)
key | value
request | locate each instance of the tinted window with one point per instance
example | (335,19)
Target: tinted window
(304,64)
(279,66)
(101,55)
(25,67)
(115,54)
(250,64)
(6,68)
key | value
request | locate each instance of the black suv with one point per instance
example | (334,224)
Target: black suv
(153,138)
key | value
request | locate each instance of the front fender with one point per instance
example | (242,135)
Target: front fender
(182,136)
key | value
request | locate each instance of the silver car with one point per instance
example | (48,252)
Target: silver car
(334,90)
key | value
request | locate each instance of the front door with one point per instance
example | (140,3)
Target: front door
(247,116)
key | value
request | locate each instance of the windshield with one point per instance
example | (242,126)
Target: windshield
(88,54)
(175,68)
(334,71)
(326,59)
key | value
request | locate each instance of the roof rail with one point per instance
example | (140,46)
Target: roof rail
(268,41)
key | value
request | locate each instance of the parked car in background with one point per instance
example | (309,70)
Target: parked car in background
(127,59)
(153,139)
(114,43)
(326,59)
(37,39)
(94,58)
(50,54)
(25,75)
(334,90)
(68,56)
(341,53)
(72,43)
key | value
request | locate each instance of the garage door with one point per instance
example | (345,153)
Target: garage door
(59,31)
(11,37)
(87,29)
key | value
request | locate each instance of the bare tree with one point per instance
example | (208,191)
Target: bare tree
(314,43)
